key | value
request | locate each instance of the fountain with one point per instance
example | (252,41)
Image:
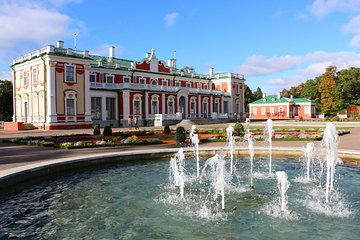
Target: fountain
(268,133)
(330,142)
(308,155)
(283,186)
(177,171)
(250,142)
(195,141)
(231,143)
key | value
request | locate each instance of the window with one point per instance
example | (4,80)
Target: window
(281,110)
(137,107)
(206,86)
(263,111)
(237,88)
(164,83)
(154,107)
(177,83)
(126,80)
(188,84)
(92,77)
(142,80)
(154,82)
(70,107)
(254,111)
(272,110)
(110,108)
(26,78)
(171,107)
(70,74)
(216,105)
(199,85)
(110,79)
(192,106)
(306,110)
(226,107)
(34,76)
(96,108)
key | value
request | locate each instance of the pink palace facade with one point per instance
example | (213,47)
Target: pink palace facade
(60,88)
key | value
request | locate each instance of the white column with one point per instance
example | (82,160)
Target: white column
(199,106)
(211,105)
(87,94)
(163,104)
(126,104)
(51,96)
(103,108)
(30,100)
(14,118)
(146,105)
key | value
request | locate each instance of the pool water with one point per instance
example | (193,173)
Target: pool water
(135,201)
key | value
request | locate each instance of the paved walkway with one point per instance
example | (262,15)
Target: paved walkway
(14,155)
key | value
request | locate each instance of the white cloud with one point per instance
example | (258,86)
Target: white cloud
(321,8)
(353,27)
(259,65)
(170,19)
(280,72)
(61,3)
(30,23)
(5,75)
(103,50)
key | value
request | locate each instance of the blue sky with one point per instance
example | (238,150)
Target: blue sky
(275,43)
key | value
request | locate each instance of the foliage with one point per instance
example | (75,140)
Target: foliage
(107,131)
(133,139)
(167,129)
(96,129)
(326,88)
(180,134)
(6,100)
(239,129)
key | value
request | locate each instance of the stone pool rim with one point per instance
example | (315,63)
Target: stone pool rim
(21,174)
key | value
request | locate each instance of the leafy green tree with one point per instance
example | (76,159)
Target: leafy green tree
(6,100)
(347,89)
(248,95)
(257,94)
(326,88)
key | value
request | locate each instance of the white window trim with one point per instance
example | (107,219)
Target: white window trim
(155,98)
(34,77)
(281,110)
(154,81)
(142,79)
(263,111)
(70,118)
(74,73)
(254,110)
(137,97)
(188,84)
(165,82)
(128,79)
(177,84)
(206,86)
(26,78)
(171,99)
(272,110)
(193,100)
(109,76)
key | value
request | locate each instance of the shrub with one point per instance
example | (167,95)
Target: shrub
(239,129)
(107,131)
(180,134)
(97,129)
(167,129)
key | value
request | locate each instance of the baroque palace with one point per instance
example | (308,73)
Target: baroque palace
(58,88)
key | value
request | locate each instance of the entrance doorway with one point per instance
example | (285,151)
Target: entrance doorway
(182,106)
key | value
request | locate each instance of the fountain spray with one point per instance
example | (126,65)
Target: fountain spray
(308,155)
(231,143)
(195,140)
(283,186)
(250,141)
(177,178)
(268,132)
(330,143)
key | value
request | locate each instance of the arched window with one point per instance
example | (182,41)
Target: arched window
(170,105)
(205,107)
(216,105)
(154,82)
(137,103)
(70,104)
(193,105)
(155,104)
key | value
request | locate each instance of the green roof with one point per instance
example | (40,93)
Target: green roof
(301,100)
(275,99)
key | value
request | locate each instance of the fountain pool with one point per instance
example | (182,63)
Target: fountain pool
(136,201)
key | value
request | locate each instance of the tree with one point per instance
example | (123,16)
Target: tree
(257,94)
(326,88)
(6,100)
(347,89)
(248,95)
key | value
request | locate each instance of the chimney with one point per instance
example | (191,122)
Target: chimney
(112,52)
(279,95)
(147,55)
(211,72)
(60,44)
(291,97)
(170,63)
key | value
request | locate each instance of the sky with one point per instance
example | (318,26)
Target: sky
(276,44)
